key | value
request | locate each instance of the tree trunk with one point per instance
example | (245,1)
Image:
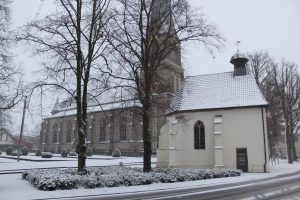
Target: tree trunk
(288,142)
(80,147)
(293,147)
(147,138)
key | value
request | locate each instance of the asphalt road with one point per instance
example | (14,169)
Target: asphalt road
(281,187)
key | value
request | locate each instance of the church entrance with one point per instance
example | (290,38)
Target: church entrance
(242,159)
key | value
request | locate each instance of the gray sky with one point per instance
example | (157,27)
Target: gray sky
(272,25)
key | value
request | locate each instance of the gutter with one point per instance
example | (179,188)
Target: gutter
(264,136)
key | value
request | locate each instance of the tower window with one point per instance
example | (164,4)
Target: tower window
(199,135)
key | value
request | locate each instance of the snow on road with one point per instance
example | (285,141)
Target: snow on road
(13,187)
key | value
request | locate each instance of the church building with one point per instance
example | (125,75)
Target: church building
(205,121)
(215,121)
(116,123)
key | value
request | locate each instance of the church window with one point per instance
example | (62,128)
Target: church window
(123,135)
(91,133)
(199,135)
(69,133)
(46,134)
(102,129)
(55,133)
(61,129)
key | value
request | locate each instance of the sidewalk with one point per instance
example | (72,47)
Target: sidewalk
(11,183)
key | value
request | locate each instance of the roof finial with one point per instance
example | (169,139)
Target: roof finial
(237,47)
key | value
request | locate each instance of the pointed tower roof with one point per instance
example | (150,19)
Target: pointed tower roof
(162,16)
(56,107)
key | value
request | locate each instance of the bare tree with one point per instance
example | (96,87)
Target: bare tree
(260,62)
(274,113)
(144,35)
(73,38)
(287,84)
(10,86)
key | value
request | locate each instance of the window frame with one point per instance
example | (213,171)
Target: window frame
(199,135)
(102,130)
(123,128)
(55,134)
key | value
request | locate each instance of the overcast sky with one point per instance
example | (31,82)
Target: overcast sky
(272,25)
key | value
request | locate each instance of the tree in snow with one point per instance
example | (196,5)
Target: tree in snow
(73,37)
(287,85)
(142,35)
(10,86)
(260,64)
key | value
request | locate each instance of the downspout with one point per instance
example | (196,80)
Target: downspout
(264,136)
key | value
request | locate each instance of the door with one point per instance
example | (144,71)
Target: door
(242,159)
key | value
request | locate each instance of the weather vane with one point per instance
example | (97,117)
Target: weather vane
(237,46)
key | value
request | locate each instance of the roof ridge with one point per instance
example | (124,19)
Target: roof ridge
(209,91)
(209,74)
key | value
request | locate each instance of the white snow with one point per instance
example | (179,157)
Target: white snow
(95,160)
(9,184)
(220,90)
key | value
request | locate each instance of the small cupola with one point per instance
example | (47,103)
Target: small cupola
(239,62)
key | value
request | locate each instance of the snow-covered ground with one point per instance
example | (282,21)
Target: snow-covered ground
(13,187)
(96,160)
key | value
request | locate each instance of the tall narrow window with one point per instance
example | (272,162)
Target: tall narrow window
(123,127)
(69,133)
(199,135)
(46,134)
(92,131)
(102,130)
(55,134)
(61,131)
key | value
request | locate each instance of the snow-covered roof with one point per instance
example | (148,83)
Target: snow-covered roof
(216,91)
(69,111)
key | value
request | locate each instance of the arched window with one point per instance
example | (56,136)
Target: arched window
(199,135)
(46,133)
(123,122)
(55,134)
(91,134)
(69,132)
(102,130)
(61,131)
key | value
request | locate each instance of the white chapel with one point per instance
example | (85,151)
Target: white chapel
(217,121)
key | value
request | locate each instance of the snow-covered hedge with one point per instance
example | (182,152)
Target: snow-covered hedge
(47,155)
(52,179)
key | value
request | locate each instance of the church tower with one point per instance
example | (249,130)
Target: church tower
(171,73)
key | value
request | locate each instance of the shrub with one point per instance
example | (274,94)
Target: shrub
(9,150)
(15,153)
(24,151)
(114,176)
(47,155)
(89,151)
(72,153)
(116,153)
(38,153)
(64,153)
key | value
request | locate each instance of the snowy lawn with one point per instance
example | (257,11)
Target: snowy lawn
(25,190)
(56,157)
(98,177)
(7,164)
